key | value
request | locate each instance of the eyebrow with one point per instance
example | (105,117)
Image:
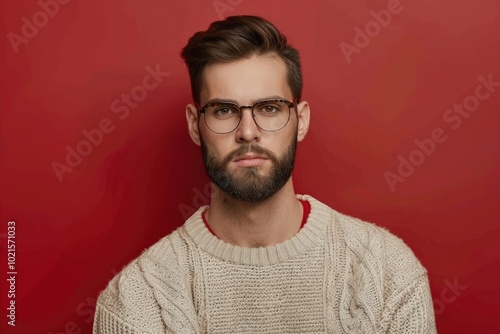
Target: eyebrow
(219,100)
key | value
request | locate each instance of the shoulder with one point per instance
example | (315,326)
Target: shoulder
(374,246)
(140,273)
(376,243)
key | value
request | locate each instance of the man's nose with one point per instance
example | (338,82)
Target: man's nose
(248,130)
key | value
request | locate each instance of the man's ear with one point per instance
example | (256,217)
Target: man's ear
(192,122)
(304,115)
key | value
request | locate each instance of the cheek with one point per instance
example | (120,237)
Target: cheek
(217,145)
(278,144)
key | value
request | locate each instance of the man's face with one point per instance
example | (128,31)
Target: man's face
(248,164)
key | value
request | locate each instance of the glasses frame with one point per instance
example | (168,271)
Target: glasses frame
(290,105)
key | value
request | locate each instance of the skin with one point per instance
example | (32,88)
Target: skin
(278,218)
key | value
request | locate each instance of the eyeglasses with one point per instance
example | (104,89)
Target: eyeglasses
(269,115)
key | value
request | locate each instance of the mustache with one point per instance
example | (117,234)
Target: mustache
(249,148)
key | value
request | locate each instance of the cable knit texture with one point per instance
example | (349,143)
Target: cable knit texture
(337,275)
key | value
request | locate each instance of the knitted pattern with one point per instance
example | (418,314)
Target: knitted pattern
(337,275)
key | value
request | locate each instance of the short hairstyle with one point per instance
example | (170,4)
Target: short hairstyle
(235,38)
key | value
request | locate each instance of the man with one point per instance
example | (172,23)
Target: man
(259,258)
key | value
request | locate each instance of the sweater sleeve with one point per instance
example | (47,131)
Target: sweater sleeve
(410,310)
(151,295)
(408,305)
(128,306)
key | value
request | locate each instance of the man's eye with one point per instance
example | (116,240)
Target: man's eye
(269,109)
(224,111)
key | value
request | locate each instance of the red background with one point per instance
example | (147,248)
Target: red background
(146,176)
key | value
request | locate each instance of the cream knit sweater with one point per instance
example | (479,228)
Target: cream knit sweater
(337,275)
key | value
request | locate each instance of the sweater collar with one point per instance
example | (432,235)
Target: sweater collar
(312,233)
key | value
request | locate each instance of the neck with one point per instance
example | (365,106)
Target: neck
(244,224)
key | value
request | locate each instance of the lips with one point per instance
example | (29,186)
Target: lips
(249,157)
(250,160)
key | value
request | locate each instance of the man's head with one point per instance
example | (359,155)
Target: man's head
(248,153)
(236,38)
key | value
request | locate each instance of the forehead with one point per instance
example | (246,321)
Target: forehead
(246,80)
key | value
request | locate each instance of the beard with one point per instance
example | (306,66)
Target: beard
(250,185)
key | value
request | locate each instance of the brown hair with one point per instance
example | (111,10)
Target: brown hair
(235,38)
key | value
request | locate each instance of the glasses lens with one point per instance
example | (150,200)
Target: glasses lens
(222,117)
(271,115)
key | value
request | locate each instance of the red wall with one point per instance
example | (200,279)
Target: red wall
(381,103)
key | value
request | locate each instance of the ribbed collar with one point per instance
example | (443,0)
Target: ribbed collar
(312,233)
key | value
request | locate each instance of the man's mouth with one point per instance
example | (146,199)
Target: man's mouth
(250,160)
